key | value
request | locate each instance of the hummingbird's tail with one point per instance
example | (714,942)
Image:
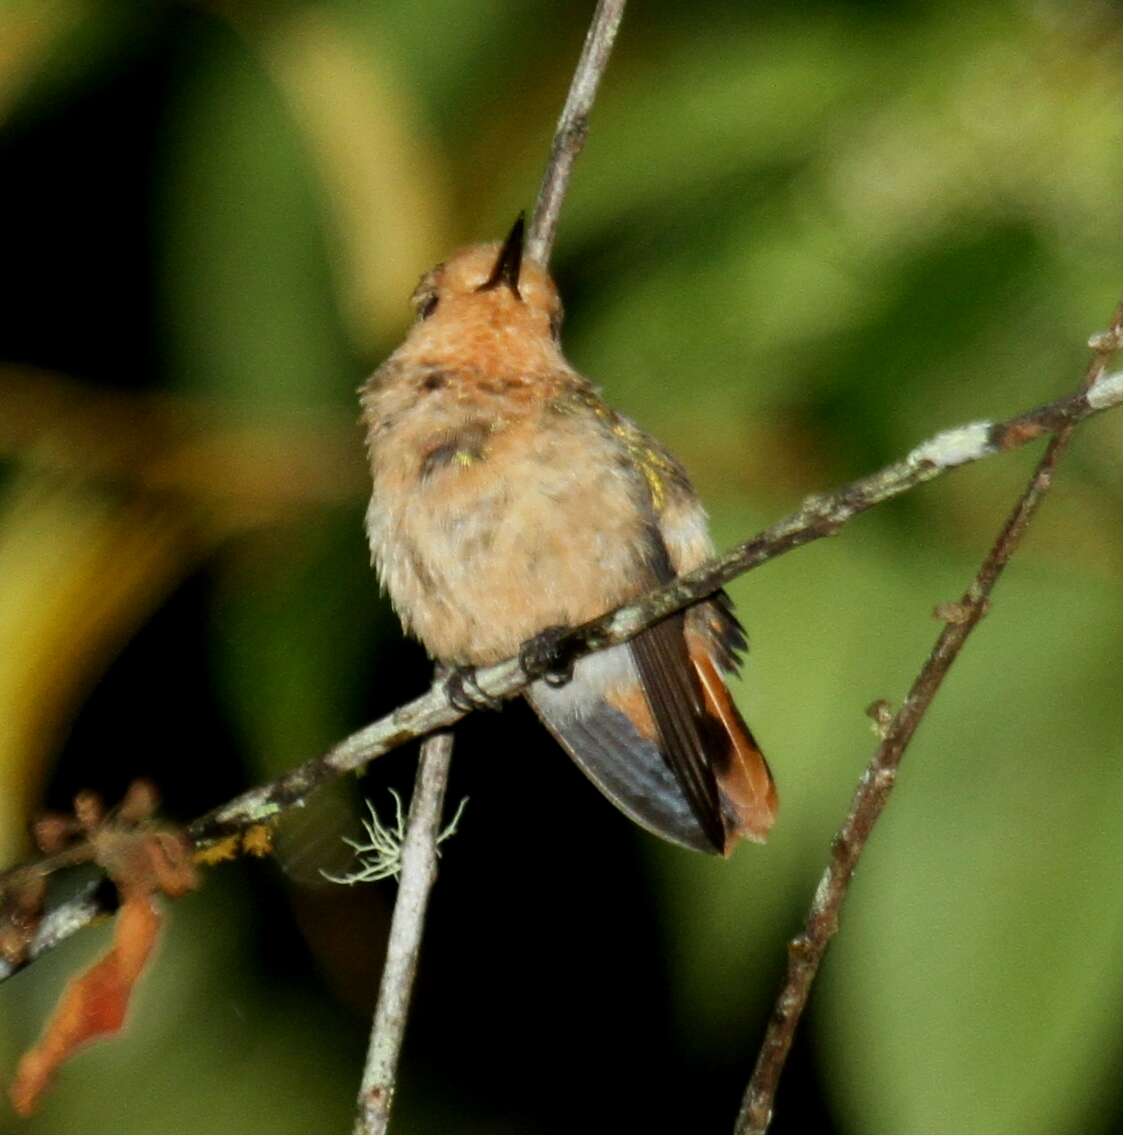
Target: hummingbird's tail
(746,782)
(653,725)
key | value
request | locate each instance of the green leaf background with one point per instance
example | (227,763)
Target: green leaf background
(800,240)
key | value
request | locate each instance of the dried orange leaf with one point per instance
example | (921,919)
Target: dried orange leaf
(92,1004)
(142,859)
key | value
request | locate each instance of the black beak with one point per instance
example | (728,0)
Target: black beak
(508,262)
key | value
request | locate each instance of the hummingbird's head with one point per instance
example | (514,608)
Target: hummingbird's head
(493,285)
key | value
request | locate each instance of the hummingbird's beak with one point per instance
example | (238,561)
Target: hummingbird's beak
(508,262)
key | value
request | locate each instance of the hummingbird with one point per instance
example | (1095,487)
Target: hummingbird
(510,501)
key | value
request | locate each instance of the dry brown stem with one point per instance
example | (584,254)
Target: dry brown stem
(573,127)
(819,516)
(415,880)
(419,849)
(806,951)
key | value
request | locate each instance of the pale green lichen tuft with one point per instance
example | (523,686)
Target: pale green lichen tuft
(380,855)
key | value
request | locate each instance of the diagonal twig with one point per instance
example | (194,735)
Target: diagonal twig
(819,516)
(572,128)
(806,951)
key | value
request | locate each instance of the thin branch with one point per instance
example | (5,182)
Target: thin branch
(572,128)
(422,835)
(418,871)
(819,516)
(806,951)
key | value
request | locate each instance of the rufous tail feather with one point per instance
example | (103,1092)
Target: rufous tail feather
(744,777)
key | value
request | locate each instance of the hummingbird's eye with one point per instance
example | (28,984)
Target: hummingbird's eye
(427,306)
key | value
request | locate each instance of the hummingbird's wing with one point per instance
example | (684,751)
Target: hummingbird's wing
(699,730)
(601,718)
(695,756)
(653,725)
(684,727)
(715,641)
(652,722)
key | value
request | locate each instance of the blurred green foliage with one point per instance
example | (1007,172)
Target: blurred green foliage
(801,239)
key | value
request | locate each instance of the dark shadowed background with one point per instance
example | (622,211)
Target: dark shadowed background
(802,238)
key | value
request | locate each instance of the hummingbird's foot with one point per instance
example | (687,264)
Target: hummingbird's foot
(465,692)
(546,654)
